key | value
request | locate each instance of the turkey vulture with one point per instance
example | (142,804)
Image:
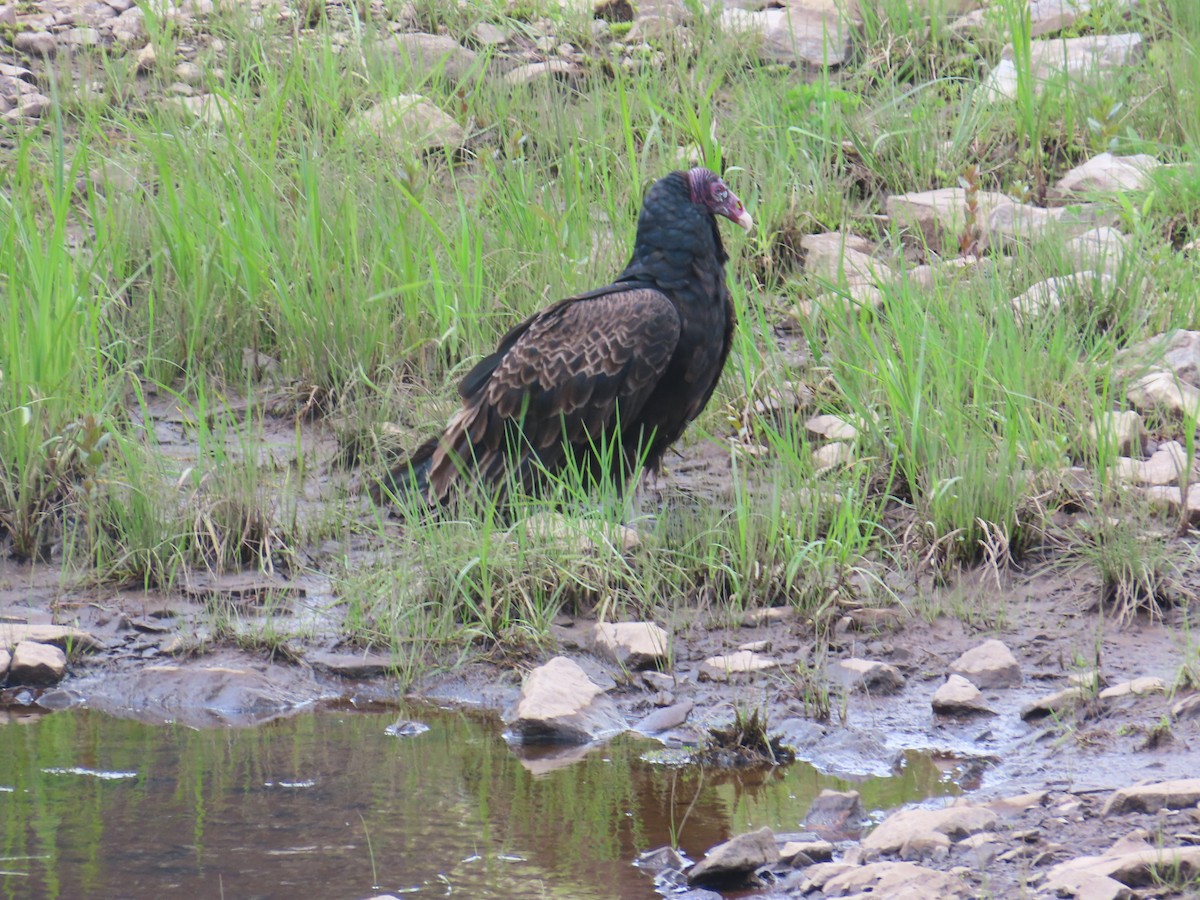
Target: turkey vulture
(604,381)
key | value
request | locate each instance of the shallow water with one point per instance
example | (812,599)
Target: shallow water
(330,805)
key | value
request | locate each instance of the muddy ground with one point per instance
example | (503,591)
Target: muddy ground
(155,658)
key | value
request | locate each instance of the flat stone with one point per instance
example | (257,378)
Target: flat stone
(867,675)
(954,822)
(560,704)
(990,665)
(352,665)
(796,853)
(62,636)
(832,455)
(1135,688)
(426,54)
(836,815)
(843,259)
(739,856)
(743,662)
(1187,708)
(1101,249)
(1170,498)
(213,110)
(941,216)
(1134,868)
(959,696)
(1054,704)
(35,43)
(488,34)
(36,664)
(1018,803)
(411,123)
(146,59)
(550,70)
(1119,431)
(1150,798)
(1107,173)
(1176,352)
(579,536)
(1013,225)
(1166,466)
(1164,390)
(1078,57)
(665,719)
(847,300)
(832,428)
(896,881)
(1048,295)
(794,35)
(632,645)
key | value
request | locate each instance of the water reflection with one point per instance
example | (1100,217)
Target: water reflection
(330,805)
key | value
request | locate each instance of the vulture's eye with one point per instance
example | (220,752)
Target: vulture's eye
(721,194)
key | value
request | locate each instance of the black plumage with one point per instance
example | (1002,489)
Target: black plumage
(604,381)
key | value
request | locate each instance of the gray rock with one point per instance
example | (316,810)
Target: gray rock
(1054,704)
(554,69)
(664,719)
(793,35)
(1161,389)
(213,110)
(867,675)
(1012,225)
(942,216)
(1101,249)
(189,73)
(1187,708)
(959,696)
(1076,57)
(36,664)
(351,665)
(1049,295)
(1150,798)
(1048,16)
(488,34)
(632,645)
(1107,174)
(1170,498)
(411,123)
(895,880)
(738,856)
(427,54)
(559,703)
(146,59)
(1165,466)
(35,43)
(843,259)
(130,28)
(95,14)
(835,815)
(81,37)
(1120,431)
(575,536)
(832,428)
(62,636)
(990,665)
(743,662)
(5,662)
(832,455)
(1091,874)
(954,822)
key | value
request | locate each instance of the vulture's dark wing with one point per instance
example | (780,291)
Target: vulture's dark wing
(563,374)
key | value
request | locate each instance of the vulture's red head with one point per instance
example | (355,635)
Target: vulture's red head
(711,192)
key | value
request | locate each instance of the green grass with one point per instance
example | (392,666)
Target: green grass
(146,254)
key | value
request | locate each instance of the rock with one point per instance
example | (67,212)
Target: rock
(806,852)
(1171,498)
(851,298)
(1151,798)
(1014,225)
(1019,803)
(35,664)
(895,881)
(1047,296)
(573,536)
(62,636)
(1118,431)
(990,665)
(941,216)
(867,675)
(488,34)
(632,645)
(1054,704)
(146,59)
(793,35)
(1166,466)
(1101,249)
(559,703)
(1162,389)
(949,270)
(664,719)
(832,455)
(1187,708)
(1106,174)
(722,668)
(352,665)
(1135,688)
(214,110)
(954,822)
(130,28)
(1123,869)
(1176,351)
(958,696)
(410,123)
(35,43)
(832,428)
(836,815)
(843,259)
(189,73)
(32,105)
(5,662)
(554,69)
(1076,57)
(424,54)
(81,37)
(735,858)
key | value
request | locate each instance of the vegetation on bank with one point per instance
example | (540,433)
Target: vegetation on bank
(169,284)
